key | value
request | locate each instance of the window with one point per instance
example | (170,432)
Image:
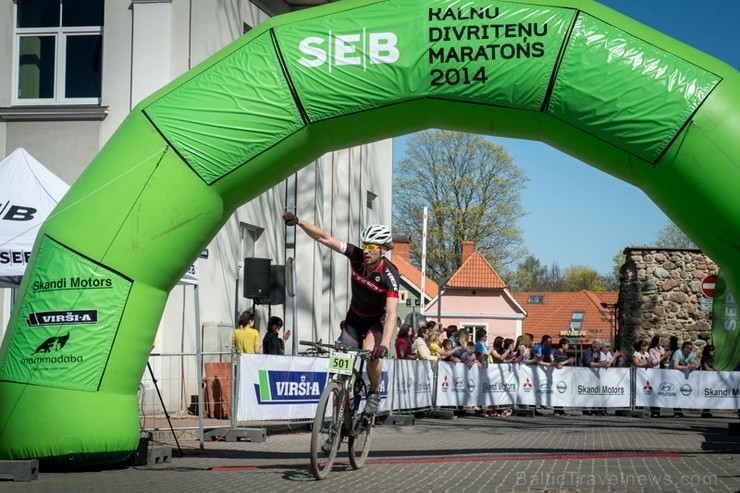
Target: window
(576,321)
(536,299)
(59,51)
(370,200)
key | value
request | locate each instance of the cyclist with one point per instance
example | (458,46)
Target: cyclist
(371,317)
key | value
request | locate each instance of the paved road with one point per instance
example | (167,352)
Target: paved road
(465,454)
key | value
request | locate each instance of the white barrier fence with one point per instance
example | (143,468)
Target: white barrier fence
(696,389)
(288,388)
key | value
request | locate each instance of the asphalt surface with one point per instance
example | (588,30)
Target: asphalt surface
(466,454)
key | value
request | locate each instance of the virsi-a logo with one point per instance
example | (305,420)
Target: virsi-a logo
(72,317)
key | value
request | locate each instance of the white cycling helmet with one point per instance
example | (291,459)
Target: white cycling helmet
(376,233)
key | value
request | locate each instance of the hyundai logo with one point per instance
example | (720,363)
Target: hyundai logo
(666,386)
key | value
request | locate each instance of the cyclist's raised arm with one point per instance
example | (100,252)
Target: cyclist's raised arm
(313,231)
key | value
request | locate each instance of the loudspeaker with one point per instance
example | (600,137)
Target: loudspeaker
(256,278)
(277,285)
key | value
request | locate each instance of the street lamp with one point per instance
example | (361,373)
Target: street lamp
(441,286)
(611,316)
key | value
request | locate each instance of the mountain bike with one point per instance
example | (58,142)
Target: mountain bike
(338,414)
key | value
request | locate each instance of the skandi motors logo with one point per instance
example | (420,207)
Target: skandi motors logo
(358,49)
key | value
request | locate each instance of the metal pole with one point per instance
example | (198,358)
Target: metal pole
(423,262)
(199,365)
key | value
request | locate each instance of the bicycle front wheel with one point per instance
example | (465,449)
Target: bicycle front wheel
(326,433)
(359,441)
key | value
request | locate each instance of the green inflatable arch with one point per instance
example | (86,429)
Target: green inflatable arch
(611,92)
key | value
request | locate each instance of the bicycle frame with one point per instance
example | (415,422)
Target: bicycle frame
(337,415)
(347,374)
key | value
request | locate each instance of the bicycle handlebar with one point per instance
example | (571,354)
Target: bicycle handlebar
(337,346)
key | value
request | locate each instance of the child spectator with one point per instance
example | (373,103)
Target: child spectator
(446,351)
(468,356)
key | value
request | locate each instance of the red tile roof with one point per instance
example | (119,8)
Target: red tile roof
(476,272)
(556,312)
(413,276)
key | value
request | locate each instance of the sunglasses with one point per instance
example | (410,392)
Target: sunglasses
(370,246)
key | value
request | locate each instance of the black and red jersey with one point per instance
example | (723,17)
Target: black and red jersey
(370,289)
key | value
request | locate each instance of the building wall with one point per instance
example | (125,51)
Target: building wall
(660,294)
(147,44)
(487,308)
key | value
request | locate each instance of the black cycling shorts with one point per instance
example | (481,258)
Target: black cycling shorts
(357,328)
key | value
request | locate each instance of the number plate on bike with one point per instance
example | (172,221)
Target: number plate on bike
(341,363)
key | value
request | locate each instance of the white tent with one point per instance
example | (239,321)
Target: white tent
(28,193)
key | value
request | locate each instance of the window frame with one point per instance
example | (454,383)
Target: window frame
(576,323)
(60,35)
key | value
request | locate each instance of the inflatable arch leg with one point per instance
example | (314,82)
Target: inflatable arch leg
(613,93)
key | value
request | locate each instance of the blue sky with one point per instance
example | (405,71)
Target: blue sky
(605,215)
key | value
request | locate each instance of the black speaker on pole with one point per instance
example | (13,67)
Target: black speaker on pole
(257,278)
(277,285)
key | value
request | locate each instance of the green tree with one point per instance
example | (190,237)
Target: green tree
(472,190)
(578,277)
(671,236)
(531,275)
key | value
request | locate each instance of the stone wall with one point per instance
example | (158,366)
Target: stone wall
(660,294)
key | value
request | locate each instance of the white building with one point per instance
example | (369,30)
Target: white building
(70,74)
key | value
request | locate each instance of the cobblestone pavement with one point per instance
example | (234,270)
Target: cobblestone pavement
(466,454)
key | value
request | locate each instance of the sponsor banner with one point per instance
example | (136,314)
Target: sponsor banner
(665,388)
(279,387)
(545,386)
(600,387)
(719,390)
(497,53)
(499,385)
(67,322)
(457,385)
(413,384)
(696,389)
(275,387)
(725,327)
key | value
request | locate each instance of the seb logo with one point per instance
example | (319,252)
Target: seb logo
(11,212)
(349,49)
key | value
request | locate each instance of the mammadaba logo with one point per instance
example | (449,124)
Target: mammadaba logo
(51,345)
(72,317)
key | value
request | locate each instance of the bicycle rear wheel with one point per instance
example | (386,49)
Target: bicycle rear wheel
(359,441)
(326,433)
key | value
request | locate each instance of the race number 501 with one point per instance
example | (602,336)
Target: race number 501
(341,363)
